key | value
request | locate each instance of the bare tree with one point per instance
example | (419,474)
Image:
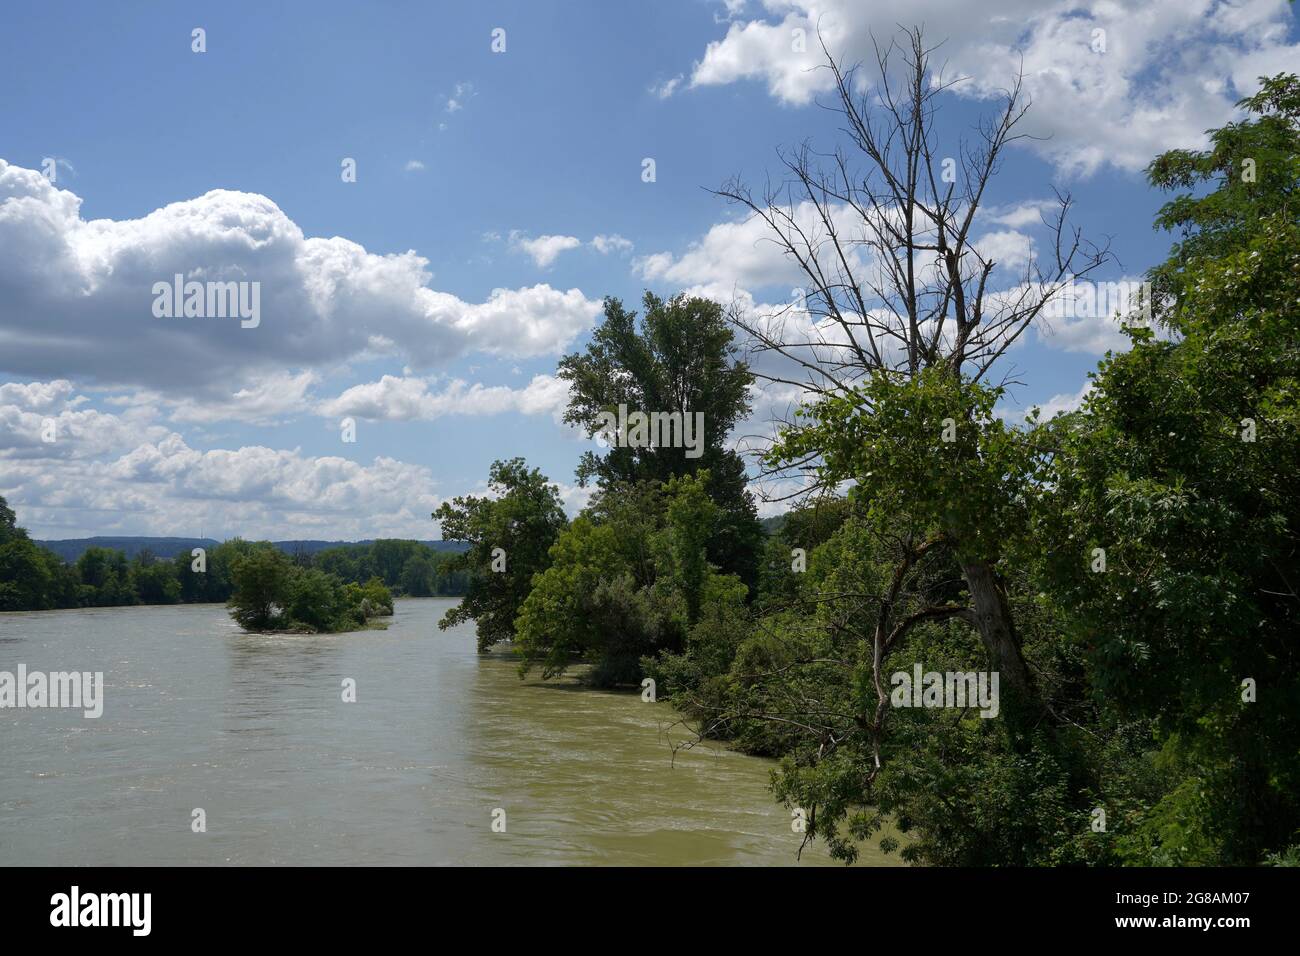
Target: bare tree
(883,230)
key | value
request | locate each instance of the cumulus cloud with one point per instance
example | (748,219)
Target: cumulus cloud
(410,399)
(1009,248)
(1064,402)
(543,250)
(611,243)
(38,396)
(42,421)
(275,398)
(77,296)
(740,253)
(1056,405)
(1156,75)
(124,473)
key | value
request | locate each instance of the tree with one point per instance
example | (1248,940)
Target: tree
(261,578)
(9,523)
(679,358)
(316,599)
(626,582)
(105,578)
(509,537)
(152,581)
(25,579)
(419,576)
(1181,468)
(901,298)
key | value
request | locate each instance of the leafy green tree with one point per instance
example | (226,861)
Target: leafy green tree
(1181,468)
(566,615)
(9,523)
(316,599)
(690,522)
(154,582)
(901,298)
(25,577)
(419,576)
(105,578)
(379,599)
(626,582)
(680,357)
(509,536)
(262,578)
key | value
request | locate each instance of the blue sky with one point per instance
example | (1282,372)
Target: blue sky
(467,161)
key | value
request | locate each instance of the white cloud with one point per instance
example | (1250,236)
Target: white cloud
(736,253)
(407,399)
(38,396)
(77,297)
(1008,248)
(668,87)
(121,473)
(413,166)
(1064,402)
(1056,405)
(44,426)
(273,399)
(611,243)
(1030,212)
(1086,317)
(460,95)
(1158,84)
(544,250)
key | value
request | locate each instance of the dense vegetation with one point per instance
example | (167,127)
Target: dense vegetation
(1130,569)
(33,578)
(271,593)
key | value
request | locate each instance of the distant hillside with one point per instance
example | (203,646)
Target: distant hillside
(70,549)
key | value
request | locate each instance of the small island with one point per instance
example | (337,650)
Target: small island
(273,595)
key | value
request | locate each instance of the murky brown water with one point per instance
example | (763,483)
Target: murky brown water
(254,730)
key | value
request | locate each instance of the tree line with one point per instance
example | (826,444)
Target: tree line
(34,578)
(1129,569)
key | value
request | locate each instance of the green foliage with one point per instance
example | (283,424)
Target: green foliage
(516,525)
(261,597)
(679,358)
(626,581)
(1201,527)
(274,593)
(35,578)
(1141,667)
(930,446)
(409,567)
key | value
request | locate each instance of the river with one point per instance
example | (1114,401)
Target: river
(254,731)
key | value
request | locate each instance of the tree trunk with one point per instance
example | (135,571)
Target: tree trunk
(1018,694)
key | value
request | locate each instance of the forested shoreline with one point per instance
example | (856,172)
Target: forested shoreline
(34,578)
(1125,574)
(1129,569)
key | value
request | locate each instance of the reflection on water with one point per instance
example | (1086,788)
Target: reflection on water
(254,730)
